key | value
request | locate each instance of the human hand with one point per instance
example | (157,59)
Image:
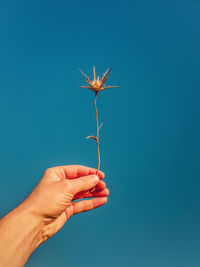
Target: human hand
(52,199)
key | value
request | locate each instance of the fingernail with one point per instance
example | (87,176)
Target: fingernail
(104,200)
(95,178)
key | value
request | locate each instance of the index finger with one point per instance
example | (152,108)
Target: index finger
(76,171)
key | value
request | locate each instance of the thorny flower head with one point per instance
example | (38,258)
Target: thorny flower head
(97,85)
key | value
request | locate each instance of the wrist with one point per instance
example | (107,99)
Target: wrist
(33,223)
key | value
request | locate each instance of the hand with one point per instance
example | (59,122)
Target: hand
(52,199)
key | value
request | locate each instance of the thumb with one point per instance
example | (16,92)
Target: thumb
(84,183)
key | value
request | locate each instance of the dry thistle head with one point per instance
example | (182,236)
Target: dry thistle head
(97,85)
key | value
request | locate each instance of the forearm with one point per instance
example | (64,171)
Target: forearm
(20,235)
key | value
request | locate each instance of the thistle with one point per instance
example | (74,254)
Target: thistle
(97,86)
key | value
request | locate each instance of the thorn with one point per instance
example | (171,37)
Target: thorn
(105,79)
(100,125)
(108,87)
(88,80)
(94,73)
(105,74)
(85,87)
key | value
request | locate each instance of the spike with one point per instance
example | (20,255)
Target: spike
(105,74)
(108,87)
(105,79)
(88,80)
(86,87)
(94,73)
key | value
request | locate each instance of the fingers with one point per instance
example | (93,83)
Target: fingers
(86,205)
(102,193)
(76,171)
(99,187)
(83,183)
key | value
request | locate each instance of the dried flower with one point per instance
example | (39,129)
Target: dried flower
(97,86)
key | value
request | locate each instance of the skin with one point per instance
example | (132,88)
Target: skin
(46,210)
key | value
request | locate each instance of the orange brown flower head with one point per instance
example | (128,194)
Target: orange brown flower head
(97,85)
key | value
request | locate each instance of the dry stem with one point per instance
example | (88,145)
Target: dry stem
(97,137)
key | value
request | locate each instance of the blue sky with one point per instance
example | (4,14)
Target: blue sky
(149,141)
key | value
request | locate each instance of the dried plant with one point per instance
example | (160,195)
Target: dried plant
(97,86)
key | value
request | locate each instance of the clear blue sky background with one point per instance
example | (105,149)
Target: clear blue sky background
(150,140)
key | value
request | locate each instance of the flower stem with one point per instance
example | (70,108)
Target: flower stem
(97,137)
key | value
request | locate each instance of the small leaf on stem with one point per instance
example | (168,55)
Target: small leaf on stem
(93,137)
